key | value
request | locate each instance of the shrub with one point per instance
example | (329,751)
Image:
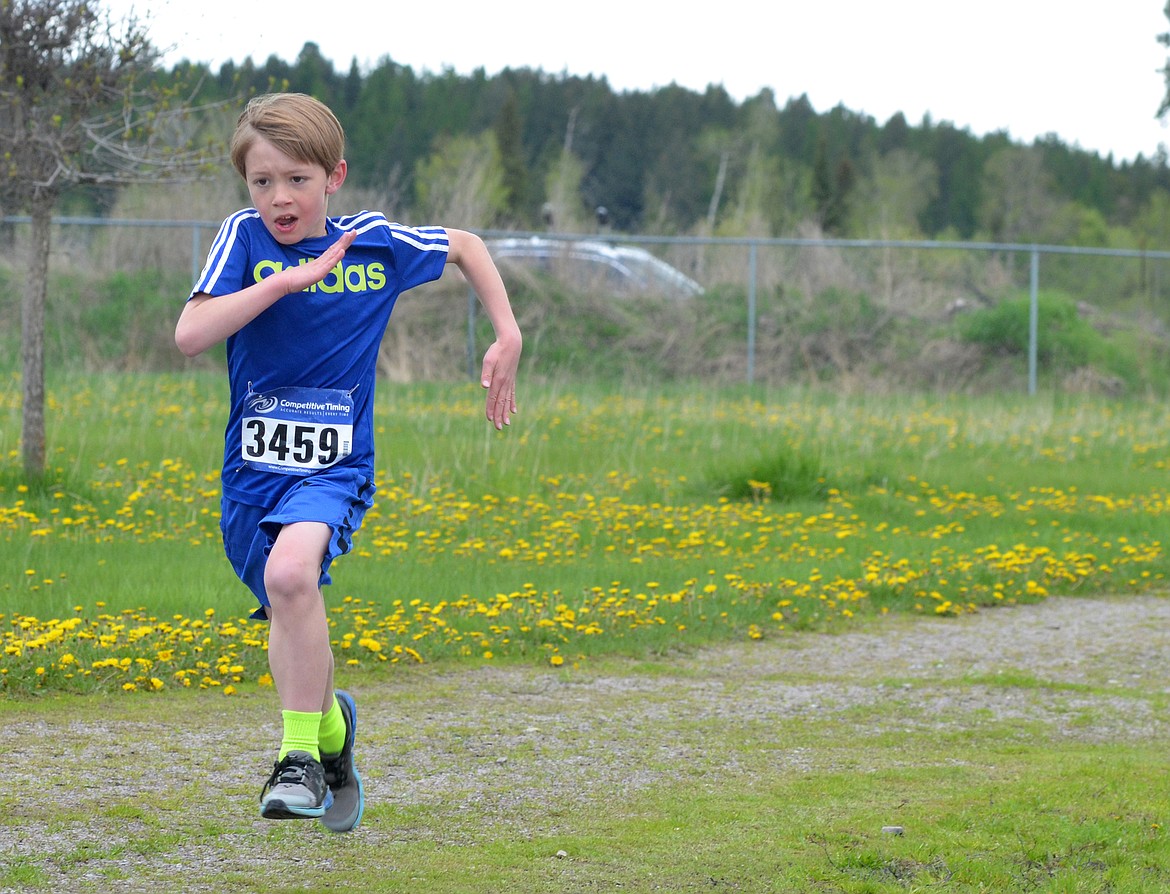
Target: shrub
(1064,339)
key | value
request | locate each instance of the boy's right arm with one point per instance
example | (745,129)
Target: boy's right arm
(206,321)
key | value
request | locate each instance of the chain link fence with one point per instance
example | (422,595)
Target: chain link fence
(747,310)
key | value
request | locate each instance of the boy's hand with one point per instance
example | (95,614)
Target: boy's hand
(301,277)
(499,378)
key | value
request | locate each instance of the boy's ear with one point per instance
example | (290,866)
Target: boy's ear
(336,178)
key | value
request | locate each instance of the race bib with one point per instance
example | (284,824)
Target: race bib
(296,431)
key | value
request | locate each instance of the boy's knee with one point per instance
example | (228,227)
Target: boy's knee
(289,578)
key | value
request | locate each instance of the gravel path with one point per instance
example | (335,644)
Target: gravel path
(86,779)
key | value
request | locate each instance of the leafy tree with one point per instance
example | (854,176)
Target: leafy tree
(462,183)
(759,198)
(563,209)
(1017,196)
(1153,231)
(80,103)
(720,144)
(1153,223)
(767,187)
(891,201)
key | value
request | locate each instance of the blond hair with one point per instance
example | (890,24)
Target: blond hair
(298,125)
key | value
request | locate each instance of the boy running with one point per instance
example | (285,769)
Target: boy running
(302,300)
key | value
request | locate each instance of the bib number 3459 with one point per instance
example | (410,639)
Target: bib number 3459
(296,431)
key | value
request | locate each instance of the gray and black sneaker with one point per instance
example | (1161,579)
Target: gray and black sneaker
(296,789)
(345,785)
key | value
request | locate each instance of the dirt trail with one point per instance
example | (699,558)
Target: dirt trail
(88,780)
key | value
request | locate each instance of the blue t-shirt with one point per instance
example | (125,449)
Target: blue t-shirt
(302,373)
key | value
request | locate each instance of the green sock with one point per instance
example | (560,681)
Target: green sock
(331,735)
(300,732)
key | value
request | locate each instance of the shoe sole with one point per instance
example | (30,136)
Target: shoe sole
(349,803)
(348,806)
(277,809)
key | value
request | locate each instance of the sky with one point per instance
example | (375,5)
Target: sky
(1089,73)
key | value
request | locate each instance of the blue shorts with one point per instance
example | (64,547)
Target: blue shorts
(338,498)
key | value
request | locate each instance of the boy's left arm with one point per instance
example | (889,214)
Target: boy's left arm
(500,363)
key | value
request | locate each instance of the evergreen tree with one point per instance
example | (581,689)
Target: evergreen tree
(895,134)
(844,181)
(799,130)
(509,131)
(313,74)
(832,186)
(384,141)
(823,189)
(351,91)
(960,164)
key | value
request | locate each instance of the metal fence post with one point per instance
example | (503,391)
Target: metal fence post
(195,266)
(751,339)
(471,333)
(1033,321)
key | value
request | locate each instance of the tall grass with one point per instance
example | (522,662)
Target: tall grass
(602,521)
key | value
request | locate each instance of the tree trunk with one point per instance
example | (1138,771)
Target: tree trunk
(32,342)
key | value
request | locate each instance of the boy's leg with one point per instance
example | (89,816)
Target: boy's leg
(301,660)
(299,653)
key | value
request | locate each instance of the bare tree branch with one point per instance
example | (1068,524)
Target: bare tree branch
(82,101)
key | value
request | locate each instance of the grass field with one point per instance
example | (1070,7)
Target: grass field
(600,523)
(589,648)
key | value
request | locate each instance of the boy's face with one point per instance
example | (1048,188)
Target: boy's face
(292,196)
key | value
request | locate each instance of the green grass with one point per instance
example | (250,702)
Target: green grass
(601,523)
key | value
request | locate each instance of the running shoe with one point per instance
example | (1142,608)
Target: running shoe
(345,785)
(296,789)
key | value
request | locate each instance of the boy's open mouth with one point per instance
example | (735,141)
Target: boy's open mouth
(285,223)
